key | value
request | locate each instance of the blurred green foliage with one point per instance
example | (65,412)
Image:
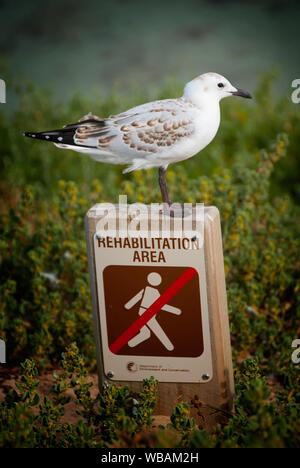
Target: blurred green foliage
(118,417)
(115,411)
(251,174)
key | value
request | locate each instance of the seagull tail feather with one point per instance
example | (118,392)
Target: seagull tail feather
(63,135)
(66,134)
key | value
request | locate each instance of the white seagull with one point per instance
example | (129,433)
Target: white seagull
(154,134)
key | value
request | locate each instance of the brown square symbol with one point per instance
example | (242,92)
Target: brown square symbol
(176,330)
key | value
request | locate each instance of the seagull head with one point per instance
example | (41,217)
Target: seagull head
(211,87)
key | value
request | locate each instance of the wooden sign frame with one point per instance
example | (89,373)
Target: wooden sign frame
(219,390)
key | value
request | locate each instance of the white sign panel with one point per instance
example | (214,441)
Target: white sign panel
(153,308)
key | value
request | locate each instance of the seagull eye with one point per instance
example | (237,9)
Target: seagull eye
(221,85)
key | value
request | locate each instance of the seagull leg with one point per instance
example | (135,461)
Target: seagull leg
(163,185)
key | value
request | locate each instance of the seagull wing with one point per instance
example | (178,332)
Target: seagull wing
(140,136)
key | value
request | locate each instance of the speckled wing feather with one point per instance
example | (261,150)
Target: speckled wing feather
(149,130)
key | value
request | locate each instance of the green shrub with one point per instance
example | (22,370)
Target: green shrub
(117,416)
(256,423)
(115,411)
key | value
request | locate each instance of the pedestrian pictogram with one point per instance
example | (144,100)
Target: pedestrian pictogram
(153,311)
(147,297)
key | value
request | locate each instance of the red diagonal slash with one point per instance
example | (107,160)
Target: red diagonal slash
(157,305)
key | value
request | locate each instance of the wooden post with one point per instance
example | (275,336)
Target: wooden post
(217,389)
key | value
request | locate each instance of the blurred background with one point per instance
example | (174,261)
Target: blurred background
(72,45)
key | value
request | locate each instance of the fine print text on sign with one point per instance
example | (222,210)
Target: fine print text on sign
(153,309)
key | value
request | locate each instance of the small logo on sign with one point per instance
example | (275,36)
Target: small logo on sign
(132,367)
(2,352)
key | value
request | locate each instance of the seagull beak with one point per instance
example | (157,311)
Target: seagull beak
(240,92)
